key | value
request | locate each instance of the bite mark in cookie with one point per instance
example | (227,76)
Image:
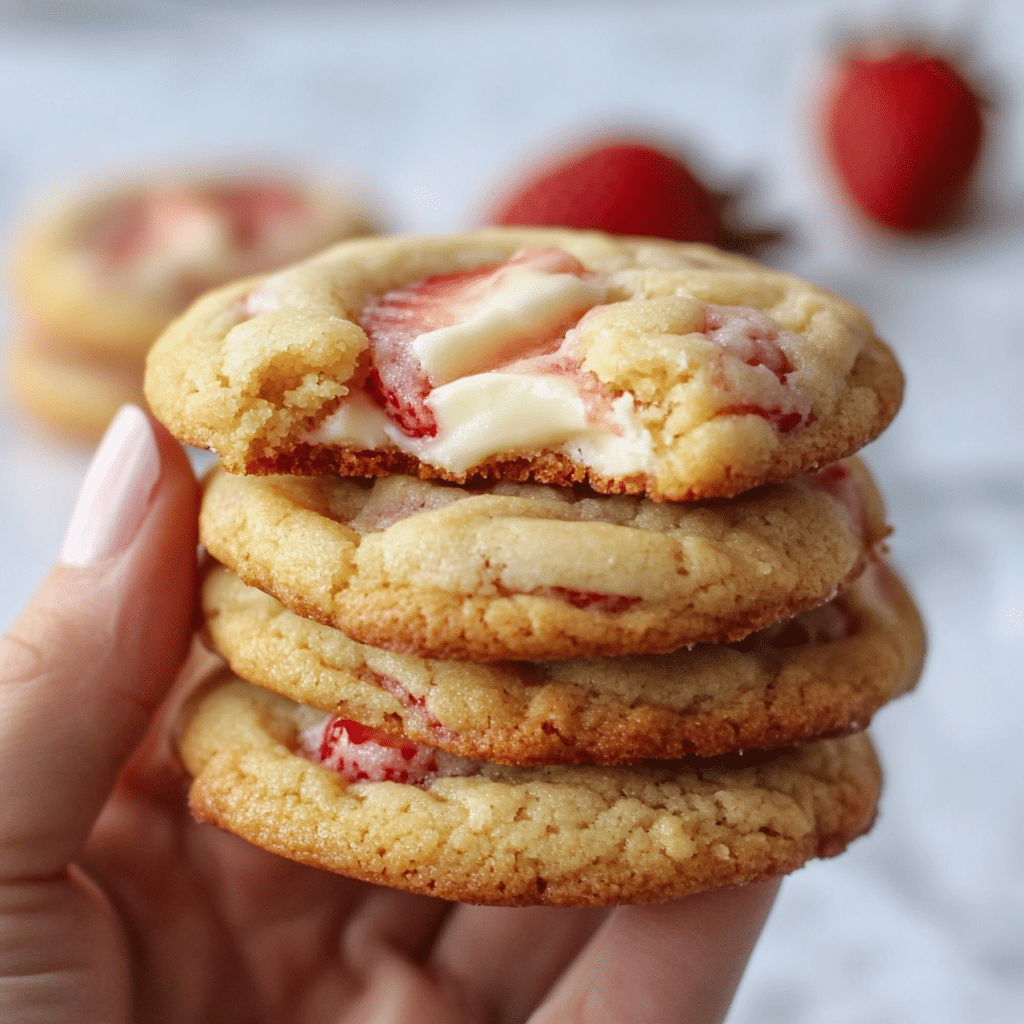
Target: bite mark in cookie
(466,366)
(469,366)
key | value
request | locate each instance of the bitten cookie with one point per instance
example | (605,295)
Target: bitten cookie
(635,365)
(824,672)
(525,571)
(485,833)
(105,271)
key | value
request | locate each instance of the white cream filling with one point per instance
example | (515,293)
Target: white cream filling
(482,412)
(488,414)
(621,451)
(523,304)
(481,415)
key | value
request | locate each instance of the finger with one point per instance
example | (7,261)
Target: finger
(399,921)
(505,958)
(663,963)
(90,658)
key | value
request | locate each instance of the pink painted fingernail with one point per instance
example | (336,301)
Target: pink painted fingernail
(116,493)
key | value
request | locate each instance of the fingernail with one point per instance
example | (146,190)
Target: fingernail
(116,493)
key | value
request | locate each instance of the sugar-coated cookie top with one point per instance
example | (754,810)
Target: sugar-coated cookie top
(638,365)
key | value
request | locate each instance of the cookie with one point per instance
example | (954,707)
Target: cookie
(525,571)
(75,393)
(823,672)
(636,366)
(105,271)
(486,833)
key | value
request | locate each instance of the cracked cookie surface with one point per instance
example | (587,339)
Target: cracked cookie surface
(525,571)
(516,836)
(561,357)
(825,672)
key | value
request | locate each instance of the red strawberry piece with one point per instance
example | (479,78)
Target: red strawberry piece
(142,225)
(362,753)
(904,132)
(624,188)
(397,381)
(749,335)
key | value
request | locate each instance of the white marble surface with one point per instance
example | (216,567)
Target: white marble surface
(427,105)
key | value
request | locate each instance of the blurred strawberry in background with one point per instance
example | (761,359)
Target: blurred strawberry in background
(903,130)
(626,186)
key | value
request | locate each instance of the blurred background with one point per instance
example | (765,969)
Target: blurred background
(426,110)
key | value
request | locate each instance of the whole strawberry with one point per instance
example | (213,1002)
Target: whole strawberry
(904,132)
(624,188)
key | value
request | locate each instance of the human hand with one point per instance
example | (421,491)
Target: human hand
(116,906)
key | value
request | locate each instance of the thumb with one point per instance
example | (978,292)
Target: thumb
(87,663)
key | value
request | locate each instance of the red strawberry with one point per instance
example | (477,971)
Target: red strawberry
(624,188)
(397,381)
(904,132)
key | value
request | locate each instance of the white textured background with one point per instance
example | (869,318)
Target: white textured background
(427,105)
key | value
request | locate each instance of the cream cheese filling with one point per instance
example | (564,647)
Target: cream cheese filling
(524,303)
(491,394)
(488,414)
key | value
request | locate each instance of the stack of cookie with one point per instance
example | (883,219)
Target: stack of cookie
(98,276)
(541,567)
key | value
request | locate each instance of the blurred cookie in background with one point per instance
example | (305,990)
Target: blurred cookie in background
(76,393)
(97,276)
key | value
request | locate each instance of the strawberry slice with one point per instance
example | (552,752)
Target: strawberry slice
(144,225)
(364,754)
(398,382)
